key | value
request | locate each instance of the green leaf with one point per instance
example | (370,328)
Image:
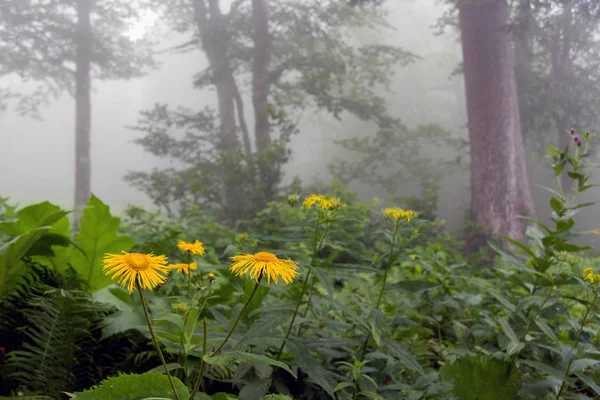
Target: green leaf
(414,286)
(557,205)
(276,397)
(583,363)
(134,387)
(342,385)
(231,358)
(371,395)
(486,378)
(30,226)
(97,236)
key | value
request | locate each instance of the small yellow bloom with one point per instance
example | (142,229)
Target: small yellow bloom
(184,267)
(147,269)
(264,263)
(211,276)
(590,276)
(324,202)
(195,248)
(398,213)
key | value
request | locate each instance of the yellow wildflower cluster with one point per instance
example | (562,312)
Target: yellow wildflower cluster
(590,275)
(324,202)
(398,213)
(149,271)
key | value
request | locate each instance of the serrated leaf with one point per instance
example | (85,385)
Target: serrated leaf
(134,387)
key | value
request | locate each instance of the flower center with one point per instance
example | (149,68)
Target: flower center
(137,261)
(264,256)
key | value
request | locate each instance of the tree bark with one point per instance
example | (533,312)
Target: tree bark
(211,26)
(500,189)
(562,77)
(261,85)
(83,108)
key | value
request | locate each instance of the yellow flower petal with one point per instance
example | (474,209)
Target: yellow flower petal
(147,269)
(195,248)
(264,263)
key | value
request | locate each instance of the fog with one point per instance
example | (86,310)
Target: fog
(37,156)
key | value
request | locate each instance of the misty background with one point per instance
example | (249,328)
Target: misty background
(37,156)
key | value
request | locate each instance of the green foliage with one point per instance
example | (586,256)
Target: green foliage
(477,378)
(32,232)
(98,234)
(57,328)
(133,387)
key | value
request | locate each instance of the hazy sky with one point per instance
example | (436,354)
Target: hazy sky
(36,157)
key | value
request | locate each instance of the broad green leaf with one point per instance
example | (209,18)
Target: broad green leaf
(476,378)
(31,224)
(276,397)
(134,387)
(231,358)
(97,236)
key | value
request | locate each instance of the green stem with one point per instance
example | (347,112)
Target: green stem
(579,332)
(313,263)
(154,341)
(214,353)
(382,290)
(287,335)
(189,275)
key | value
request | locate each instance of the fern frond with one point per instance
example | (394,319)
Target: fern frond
(58,324)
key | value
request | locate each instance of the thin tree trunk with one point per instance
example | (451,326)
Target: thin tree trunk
(268,169)
(83,107)
(500,189)
(562,78)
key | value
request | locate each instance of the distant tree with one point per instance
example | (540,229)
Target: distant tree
(62,45)
(298,56)
(500,191)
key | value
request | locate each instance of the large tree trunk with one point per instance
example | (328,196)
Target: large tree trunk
(83,107)
(500,189)
(268,169)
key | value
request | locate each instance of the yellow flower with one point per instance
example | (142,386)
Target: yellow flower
(590,276)
(398,213)
(324,202)
(147,269)
(184,267)
(264,263)
(195,248)
(211,276)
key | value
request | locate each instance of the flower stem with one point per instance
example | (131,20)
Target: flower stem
(579,332)
(214,353)
(287,335)
(154,341)
(189,275)
(382,290)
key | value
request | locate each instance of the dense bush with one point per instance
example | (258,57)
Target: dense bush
(384,305)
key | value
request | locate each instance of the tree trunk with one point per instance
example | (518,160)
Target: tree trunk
(211,26)
(500,189)
(83,108)
(562,77)
(268,169)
